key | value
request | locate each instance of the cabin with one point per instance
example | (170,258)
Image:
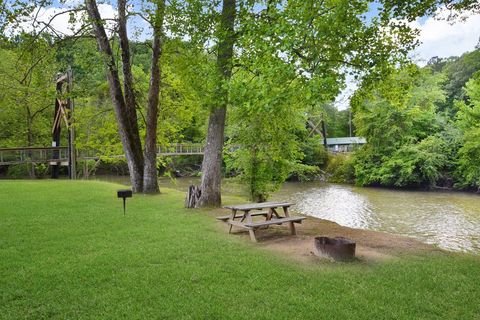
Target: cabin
(345,144)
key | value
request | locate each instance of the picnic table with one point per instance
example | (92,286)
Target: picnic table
(242,216)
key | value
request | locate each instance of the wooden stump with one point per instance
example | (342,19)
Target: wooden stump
(193,194)
(338,248)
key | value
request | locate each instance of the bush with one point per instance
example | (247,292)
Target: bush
(411,165)
(18,171)
(41,170)
(24,170)
(314,152)
(468,170)
(340,168)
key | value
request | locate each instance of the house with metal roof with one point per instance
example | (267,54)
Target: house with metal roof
(345,144)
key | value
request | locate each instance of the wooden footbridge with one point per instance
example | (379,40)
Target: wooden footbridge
(51,155)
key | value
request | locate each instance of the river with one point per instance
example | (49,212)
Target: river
(450,220)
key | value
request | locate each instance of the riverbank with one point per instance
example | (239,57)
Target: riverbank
(67,251)
(371,246)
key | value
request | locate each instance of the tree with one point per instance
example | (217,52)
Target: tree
(141,162)
(457,73)
(398,118)
(321,39)
(414,9)
(26,92)
(142,167)
(468,120)
(267,114)
(212,160)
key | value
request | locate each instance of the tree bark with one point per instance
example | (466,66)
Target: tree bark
(128,87)
(212,160)
(150,181)
(129,134)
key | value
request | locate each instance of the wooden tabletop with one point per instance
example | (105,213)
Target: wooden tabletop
(260,205)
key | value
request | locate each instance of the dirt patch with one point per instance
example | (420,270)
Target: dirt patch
(371,246)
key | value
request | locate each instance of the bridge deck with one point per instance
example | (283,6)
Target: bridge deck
(20,155)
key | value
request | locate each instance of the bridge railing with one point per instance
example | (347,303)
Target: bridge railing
(181,149)
(33,155)
(10,156)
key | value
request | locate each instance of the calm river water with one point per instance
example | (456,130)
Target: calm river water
(450,220)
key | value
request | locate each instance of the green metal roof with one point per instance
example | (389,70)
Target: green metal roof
(346,140)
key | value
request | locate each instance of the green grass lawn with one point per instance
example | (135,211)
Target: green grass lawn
(67,251)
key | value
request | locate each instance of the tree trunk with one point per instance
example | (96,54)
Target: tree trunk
(128,87)
(193,194)
(150,181)
(212,159)
(129,134)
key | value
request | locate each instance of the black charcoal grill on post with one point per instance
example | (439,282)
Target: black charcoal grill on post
(124,194)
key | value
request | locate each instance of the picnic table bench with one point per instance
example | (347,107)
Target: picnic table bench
(244,218)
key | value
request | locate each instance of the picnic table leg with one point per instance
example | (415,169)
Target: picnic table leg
(290,224)
(252,235)
(251,231)
(232,217)
(269,214)
(274,212)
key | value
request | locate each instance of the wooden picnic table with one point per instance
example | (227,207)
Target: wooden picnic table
(250,210)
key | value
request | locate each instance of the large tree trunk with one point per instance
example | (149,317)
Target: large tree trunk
(212,160)
(129,134)
(150,182)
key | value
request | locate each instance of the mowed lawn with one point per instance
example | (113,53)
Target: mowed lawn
(67,252)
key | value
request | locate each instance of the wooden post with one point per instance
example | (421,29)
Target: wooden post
(324,134)
(56,134)
(72,167)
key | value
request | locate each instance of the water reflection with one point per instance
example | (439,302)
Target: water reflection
(335,203)
(449,220)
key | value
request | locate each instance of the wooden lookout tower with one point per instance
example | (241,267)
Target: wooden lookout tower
(64,108)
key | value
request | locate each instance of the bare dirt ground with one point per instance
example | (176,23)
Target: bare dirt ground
(371,246)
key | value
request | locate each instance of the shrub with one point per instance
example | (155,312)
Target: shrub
(340,168)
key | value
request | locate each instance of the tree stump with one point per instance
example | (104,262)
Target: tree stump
(339,248)
(193,194)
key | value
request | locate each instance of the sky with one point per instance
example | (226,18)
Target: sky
(444,39)
(437,37)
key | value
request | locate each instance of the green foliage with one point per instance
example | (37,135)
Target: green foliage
(264,118)
(457,71)
(468,162)
(17,171)
(27,70)
(398,118)
(468,120)
(41,170)
(415,164)
(314,153)
(340,168)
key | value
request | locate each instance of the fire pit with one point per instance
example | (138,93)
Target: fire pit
(338,248)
